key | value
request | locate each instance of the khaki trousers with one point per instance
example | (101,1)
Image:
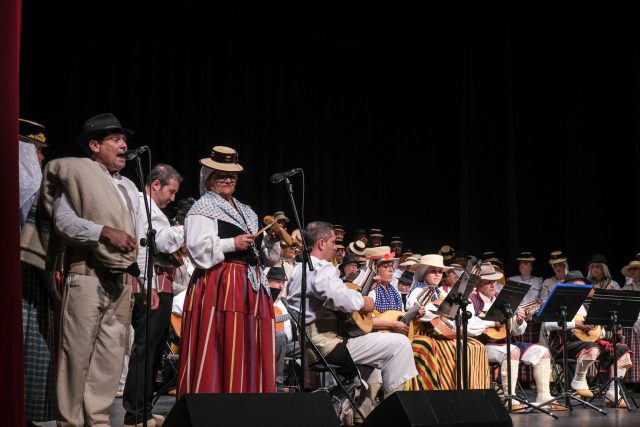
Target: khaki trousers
(93,336)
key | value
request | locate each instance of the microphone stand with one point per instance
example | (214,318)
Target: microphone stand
(303,286)
(151,253)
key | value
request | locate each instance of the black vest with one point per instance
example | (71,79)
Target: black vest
(227,230)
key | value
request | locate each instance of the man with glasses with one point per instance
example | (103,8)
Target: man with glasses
(94,210)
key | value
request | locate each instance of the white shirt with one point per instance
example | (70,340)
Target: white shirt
(168,239)
(516,329)
(83,231)
(326,293)
(206,249)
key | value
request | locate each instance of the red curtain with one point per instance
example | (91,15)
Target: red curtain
(11,350)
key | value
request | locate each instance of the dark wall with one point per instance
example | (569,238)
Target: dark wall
(486,125)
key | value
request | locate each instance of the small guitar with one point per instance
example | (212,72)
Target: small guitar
(280,318)
(499,333)
(591,336)
(358,323)
(408,316)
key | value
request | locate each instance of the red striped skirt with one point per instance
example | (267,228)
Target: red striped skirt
(436,364)
(227,340)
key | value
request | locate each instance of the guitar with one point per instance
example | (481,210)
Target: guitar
(499,333)
(408,316)
(443,326)
(280,318)
(591,336)
(358,323)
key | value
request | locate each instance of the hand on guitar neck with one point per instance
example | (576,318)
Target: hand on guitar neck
(587,333)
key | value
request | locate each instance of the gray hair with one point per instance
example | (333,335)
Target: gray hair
(317,230)
(163,173)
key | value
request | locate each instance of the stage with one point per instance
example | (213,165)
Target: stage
(579,417)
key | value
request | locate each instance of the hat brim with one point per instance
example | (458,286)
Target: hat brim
(557,261)
(227,167)
(84,139)
(626,268)
(492,276)
(526,259)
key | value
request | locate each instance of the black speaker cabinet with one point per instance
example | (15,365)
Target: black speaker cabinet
(251,410)
(442,408)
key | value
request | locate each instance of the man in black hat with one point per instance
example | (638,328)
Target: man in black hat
(277,278)
(94,210)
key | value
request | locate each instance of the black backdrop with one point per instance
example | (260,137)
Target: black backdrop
(500,126)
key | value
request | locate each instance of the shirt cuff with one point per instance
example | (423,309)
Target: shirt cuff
(227,245)
(93,231)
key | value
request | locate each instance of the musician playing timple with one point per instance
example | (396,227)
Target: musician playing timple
(534,355)
(585,352)
(327,295)
(434,353)
(227,330)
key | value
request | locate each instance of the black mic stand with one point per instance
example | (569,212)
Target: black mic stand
(303,285)
(151,253)
(462,318)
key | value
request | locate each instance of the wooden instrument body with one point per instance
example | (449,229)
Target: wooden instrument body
(591,336)
(499,333)
(280,318)
(396,316)
(358,323)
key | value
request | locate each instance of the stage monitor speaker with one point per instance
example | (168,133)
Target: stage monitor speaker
(251,410)
(442,408)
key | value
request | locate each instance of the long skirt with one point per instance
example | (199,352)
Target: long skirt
(227,340)
(632,339)
(436,363)
(39,354)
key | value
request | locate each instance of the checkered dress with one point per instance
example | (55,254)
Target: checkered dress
(39,354)
(388,298)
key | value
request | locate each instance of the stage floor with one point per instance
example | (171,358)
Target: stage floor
(579,417)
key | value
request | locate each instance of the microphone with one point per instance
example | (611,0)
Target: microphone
(132,154)
(277,177)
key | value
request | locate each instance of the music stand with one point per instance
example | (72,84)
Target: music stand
(614,309)
(501,311)
(563,302)
(455,306)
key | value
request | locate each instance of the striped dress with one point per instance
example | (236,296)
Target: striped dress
(227,334)
(435,358)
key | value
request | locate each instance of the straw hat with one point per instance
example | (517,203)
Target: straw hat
(626,270)
(434,260)
(382,254)
(223,159)
(557,257)
(357,247)
(488,272)
(525,256)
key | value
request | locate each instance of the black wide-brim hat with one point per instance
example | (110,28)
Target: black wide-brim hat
(100,125)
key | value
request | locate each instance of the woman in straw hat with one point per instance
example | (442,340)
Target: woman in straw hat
(228,330)
(435,354)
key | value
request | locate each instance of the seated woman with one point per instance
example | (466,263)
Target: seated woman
(433,352)
(587,352)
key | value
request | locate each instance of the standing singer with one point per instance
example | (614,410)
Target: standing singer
(228,331)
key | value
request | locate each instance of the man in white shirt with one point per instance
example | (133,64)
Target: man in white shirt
(327,295)
(94,210)
(162,185)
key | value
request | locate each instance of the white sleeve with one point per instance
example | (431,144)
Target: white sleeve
(204,246)
(169,239)
(476,325)
(71,226)
(270,250)
(327,286)
(518,330)
(429,309)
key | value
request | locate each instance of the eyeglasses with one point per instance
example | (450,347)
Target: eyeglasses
(225,176)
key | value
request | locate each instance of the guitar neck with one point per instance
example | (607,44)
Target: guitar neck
(368,282)
(410,314)
(282,318)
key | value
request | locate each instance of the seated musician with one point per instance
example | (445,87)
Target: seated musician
(434,349)
(327,296)
(534,355)
(587,352)
(277,278)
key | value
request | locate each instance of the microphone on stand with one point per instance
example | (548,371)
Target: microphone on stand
(132,154)
(277,177)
